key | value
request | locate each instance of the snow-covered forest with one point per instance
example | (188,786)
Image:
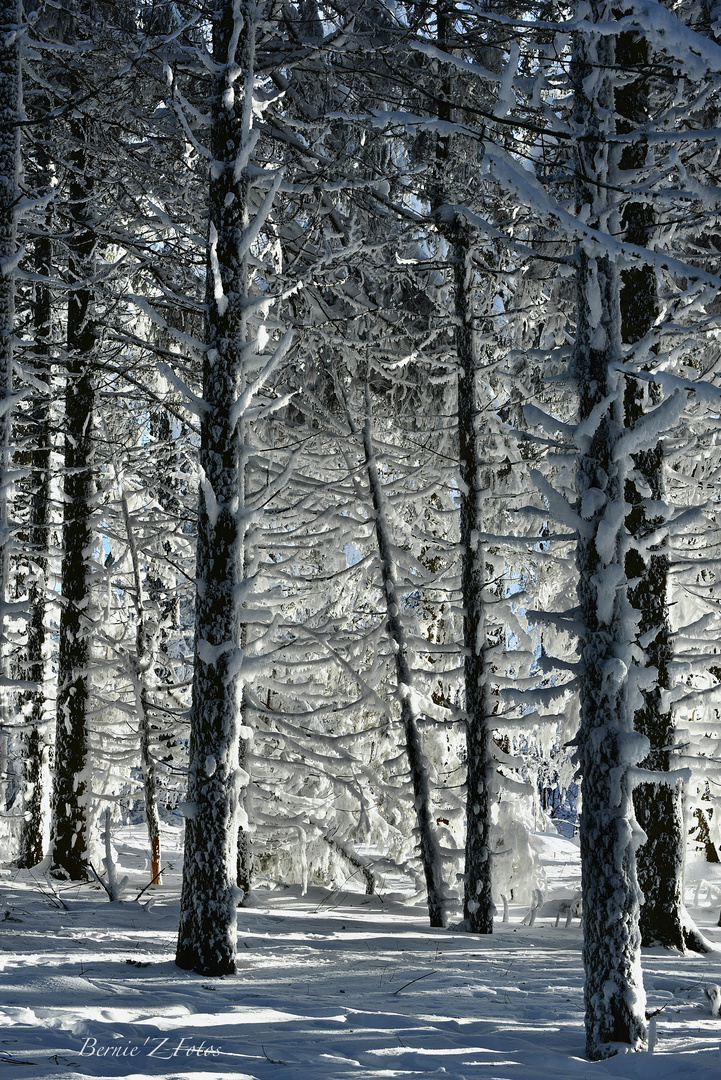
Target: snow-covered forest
(360,434)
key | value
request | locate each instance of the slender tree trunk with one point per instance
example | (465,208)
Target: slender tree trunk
(167,460)
(162,586)
(244,860)
(144,656)
(207,934)
(244,864)
(40,738)
(611,950)
(478,905)
(70,810)
(430,848)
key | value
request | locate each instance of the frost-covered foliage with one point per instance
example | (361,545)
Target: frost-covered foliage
(430,322)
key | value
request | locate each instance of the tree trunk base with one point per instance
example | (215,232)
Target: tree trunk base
(687,938)
(155,875)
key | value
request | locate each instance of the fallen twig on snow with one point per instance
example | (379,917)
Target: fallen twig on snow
(414,981)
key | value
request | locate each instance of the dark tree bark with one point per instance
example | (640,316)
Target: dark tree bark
(40,740)
(10,102)
(478,904)
(207,934)
(611,950)
(431,857)
(658,807)
(70,811)
(144,656)
(244,864)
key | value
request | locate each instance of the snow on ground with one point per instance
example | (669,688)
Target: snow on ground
(332,985)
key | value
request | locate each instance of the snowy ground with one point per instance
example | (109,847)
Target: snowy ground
(331,986)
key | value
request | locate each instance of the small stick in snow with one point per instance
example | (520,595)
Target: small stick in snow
(418,979)
(655,1013)
(54,897)
(273,1061)
(159,874)
(101,881)
(8,1059)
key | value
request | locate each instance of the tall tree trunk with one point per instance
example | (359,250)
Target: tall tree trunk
(207,933)
(40,739)
(144,655)
(167,461)
(478,905)
(614,994)
(70,810)
(10,100)
(430,848)
(659,807)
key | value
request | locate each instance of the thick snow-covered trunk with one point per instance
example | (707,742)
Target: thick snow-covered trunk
(478,904)
(10,20)
(41,735)
(430,848)
(207,934)
(144,655)
(71,752)
(607,744)
(659,807)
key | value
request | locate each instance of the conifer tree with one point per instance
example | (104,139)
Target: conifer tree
(70,820)
(611,949)
(207,933)
(658,807)
(10,105)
